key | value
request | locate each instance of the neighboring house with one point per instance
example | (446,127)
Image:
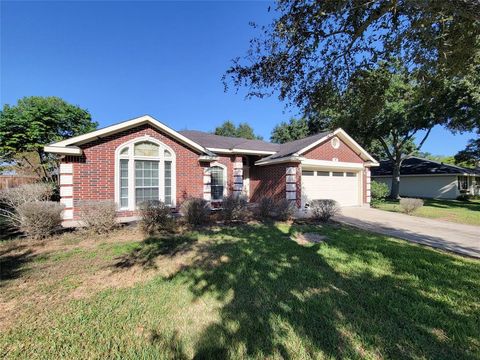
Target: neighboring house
(143,159)
(430,179)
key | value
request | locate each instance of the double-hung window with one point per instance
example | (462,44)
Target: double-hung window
(217,185)
(146,171)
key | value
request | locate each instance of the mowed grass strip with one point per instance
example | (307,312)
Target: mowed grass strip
(252,292)
(463,212)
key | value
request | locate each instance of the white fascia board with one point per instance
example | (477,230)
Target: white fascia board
(419,175)
(331,164)
(347,138)
(71,150)
(207,158)
(81,139)
(279,160)
(240,151)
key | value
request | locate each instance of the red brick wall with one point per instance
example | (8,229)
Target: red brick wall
(270,181)
(94,171)
(325,151)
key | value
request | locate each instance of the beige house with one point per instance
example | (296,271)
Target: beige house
(430,179)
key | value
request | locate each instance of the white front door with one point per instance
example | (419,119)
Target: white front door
(341,186)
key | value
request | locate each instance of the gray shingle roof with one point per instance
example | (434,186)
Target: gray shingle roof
(292,147)
(224,142)
(420,166)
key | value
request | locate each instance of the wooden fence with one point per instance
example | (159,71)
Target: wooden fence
(10,181)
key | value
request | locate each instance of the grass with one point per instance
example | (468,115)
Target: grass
(450,210)
(239,292)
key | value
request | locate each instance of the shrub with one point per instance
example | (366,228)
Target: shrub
(266,207)
(156,217)
(195,211)
(465,197)
(12,199)
(40,219)
(379,191)
(234,208)
(409,205)
(284,209)
(98,216)
(324,209)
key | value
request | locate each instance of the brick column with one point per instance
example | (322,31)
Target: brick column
(238,176)
(66,190)
(291,183)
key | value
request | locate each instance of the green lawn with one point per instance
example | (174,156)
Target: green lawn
(450,210)
(238,292)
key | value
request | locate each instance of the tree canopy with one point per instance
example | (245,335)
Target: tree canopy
(312,44)
(37,121)
(293,130)
(243,130)
(470,156)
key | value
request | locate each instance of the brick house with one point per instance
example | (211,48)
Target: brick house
(143,159)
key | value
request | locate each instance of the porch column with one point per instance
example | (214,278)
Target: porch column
(237,176)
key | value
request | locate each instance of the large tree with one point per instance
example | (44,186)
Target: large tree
(314,43)
(470,156)
(293,130)
(34,122)
(243,130)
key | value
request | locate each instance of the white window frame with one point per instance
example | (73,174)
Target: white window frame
(131,170)
(225,181)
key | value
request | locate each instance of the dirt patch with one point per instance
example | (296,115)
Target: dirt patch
(308,238)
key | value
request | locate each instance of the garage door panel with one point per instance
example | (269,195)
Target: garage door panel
(343,189)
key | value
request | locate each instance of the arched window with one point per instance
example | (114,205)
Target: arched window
(146,171)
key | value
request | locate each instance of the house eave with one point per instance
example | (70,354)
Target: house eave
(63,150)
(281,160)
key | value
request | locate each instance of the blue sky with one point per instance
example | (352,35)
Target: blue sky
(120,60)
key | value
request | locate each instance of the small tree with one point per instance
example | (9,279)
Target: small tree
(379,191)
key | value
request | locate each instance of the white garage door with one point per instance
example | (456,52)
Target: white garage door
(342,186)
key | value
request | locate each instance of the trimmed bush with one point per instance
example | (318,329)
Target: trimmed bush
(234,208)
(284,209)
(266,207)
(195,210)
(379,191)
(98,216)
(409,205)
(324,209)
(39,219)
(12,199)
(156,217)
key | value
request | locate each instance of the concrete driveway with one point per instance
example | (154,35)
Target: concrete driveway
(459,238)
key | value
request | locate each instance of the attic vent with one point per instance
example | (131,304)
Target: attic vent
(335,142)
(335,159)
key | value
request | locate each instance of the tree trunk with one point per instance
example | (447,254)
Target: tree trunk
(395,188)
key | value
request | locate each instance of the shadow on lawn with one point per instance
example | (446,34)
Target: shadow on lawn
(13,262)
(153,247)
(451,204)
(292,301)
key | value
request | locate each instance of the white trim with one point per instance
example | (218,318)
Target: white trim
(66,191)
(240,151)
(131,171)
(331,164)
(81,139)
(422,175)
(72,150)
(207,158)
(279,160)
(66,179)
(347,138)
